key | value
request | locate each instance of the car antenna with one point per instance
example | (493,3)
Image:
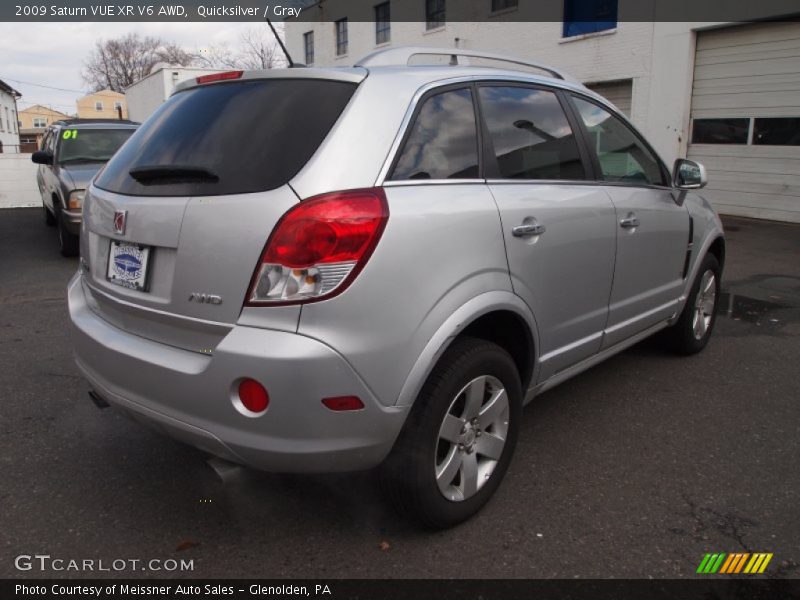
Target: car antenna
(280,43)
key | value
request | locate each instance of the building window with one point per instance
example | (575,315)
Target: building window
(434,14)
(383,23)
(498,5)
(777,131)
(720,131)
(308,44)
(117,105)
(98,106)
(589,16)
(341,37)
(8,121)
(39,122)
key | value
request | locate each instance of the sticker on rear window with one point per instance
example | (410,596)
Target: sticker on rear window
(70,134)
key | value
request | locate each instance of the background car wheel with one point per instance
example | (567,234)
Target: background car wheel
(68,243)
(459,438)
(49,219)
(691,332)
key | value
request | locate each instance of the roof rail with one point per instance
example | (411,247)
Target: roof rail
(401,57)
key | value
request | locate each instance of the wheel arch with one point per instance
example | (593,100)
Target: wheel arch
(500,317)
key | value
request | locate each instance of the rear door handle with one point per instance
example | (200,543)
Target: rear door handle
(629,222)
(527,229)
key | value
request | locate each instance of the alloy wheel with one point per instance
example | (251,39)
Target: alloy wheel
(471,438)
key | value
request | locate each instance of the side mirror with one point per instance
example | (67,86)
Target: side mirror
(42,157)
(689,175)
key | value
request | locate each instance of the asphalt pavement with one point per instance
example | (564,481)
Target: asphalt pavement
(636,468)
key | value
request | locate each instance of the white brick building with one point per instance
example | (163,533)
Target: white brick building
(741,81)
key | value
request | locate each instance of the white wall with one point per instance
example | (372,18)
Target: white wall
(147,94)
(18,181)
(8,130)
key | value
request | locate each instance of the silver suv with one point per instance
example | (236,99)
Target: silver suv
(337,269)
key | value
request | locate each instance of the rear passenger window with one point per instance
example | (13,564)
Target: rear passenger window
(623,156)
(530,133)
(443,143)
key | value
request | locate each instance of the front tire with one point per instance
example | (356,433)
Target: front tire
(49,219)
(690,334)
(459,438)
(68,243)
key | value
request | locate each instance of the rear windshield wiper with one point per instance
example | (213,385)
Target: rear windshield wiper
(173,174)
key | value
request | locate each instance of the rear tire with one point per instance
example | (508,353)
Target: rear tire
(68,243)
(459,437)
(690,334)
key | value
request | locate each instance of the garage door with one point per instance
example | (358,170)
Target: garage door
(617,92)
(746,119)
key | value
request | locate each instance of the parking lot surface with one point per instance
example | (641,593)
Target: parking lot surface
(635,468)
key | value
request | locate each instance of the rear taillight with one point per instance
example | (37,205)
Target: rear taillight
(219,76)
(318,247)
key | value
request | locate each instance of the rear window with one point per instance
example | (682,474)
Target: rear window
(90,145)
(229,138)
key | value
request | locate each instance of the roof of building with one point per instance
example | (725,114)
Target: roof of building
(4,87)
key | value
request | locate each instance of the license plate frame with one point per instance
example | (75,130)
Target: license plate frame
(129,265)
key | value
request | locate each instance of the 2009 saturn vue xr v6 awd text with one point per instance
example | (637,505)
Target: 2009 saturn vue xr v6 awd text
(334,269)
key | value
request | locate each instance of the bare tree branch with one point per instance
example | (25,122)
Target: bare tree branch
(115,64)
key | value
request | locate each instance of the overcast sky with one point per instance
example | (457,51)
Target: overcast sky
(52,54)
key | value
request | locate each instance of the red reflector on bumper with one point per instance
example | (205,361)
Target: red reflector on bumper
(339,403)
(253,395)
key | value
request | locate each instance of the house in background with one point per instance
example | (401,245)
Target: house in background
(147,94)
(9,128)
(105,104)
(726,94)
(32,124)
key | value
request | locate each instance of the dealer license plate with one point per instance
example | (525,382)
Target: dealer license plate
(127,265)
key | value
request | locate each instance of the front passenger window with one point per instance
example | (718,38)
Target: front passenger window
(623,156)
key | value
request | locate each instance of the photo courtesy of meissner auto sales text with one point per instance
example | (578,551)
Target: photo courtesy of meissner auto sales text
(367,299)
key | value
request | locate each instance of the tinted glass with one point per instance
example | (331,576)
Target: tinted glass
(720,131)
(90,145)
(254,135)
(443,142)
(530,133)
(623,156)
(783,131)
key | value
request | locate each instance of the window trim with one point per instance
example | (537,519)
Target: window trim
(598,171)
(492,167)
(408,127)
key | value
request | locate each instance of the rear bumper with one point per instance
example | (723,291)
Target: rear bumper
(188,395)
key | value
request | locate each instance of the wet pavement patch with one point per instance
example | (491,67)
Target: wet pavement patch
(769,302)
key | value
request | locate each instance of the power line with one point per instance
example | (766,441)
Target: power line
(113,94)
